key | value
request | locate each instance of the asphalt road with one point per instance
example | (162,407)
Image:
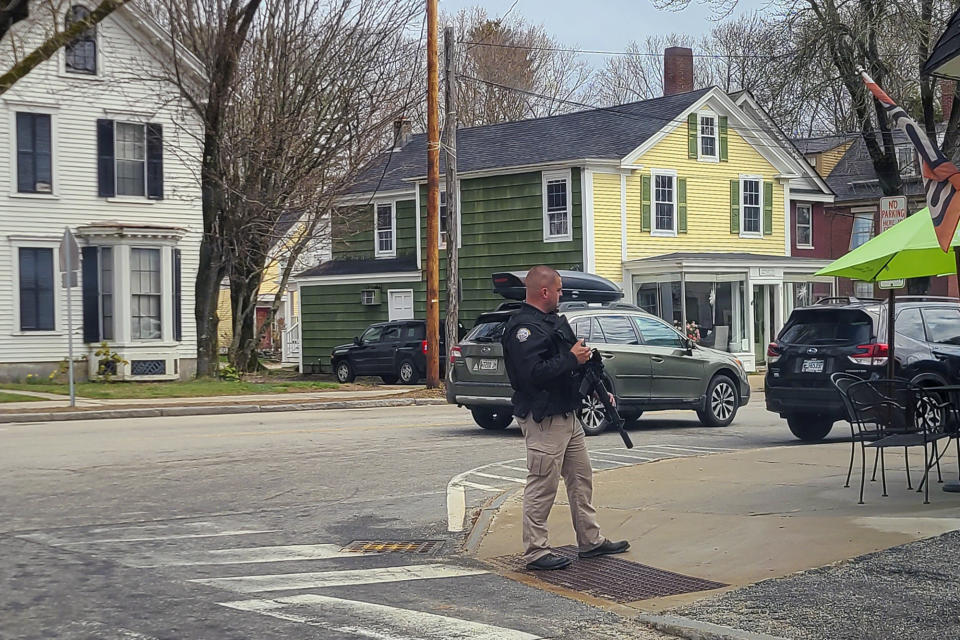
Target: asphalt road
(216,527)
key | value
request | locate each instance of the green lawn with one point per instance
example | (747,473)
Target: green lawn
(189,389)
(16,397)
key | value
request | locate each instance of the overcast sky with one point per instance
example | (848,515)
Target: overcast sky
(603,24)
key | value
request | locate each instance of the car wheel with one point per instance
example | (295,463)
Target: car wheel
(809,427)
(493,418)
(592,416)
(407,372)
(723,400)
(389,379)
(344,372)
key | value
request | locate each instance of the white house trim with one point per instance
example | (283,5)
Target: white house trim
(416,218)
(395,276)
(392,252)
(59,312)
(654,231)
(716,136)
(753,234)
(787,222)
(587,219)
(368,197)
(53,112)
(527,168)
(623,217)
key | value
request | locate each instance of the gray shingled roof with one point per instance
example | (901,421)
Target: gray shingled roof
(819,144)
(854,178)
(610,133)
(947,47)
(344,266)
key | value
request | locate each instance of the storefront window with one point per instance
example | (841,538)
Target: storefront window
(715,307)
(804,294)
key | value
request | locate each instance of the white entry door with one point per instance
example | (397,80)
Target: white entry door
(400,304)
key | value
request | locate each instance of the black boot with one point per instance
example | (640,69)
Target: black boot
(606,548)
(549,562)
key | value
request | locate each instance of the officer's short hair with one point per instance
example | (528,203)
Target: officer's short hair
(540,276)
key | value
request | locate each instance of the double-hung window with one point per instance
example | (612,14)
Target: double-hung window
(386,230)
(34,153)
(557,211)
(862,229)
(145,294)
(906,160)
(804,226)
(751,206)
(36,289)
(131,159)
(708,136)
(80,55)
(664,203)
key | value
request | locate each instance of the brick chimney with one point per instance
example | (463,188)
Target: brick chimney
(402,132)
(677,70)
(947,88)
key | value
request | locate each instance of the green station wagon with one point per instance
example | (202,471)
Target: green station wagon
(649,366)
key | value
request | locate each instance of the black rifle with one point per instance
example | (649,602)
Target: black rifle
(592,382)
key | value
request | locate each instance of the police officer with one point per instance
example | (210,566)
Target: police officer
(542,356)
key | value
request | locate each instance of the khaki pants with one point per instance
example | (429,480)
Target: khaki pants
(556,447)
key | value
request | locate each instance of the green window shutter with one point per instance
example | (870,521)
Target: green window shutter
(645,204)
(724,144)
(692,135)
(767,207)
(682,205)
(735,206)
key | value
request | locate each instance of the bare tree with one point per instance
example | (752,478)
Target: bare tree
(512,70)
(49,19)
(309,112)
(638,74)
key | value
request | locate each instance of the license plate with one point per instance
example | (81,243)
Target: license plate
(488,365)
(812,366)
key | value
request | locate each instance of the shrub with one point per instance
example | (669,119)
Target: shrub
(108,362)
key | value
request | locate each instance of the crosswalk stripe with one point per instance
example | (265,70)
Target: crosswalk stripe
(60,543)
(627,455)
(621,463)
(375,620)
(490,475)
(247,555)
(320,579)
(523,469)
(481,487)
(674,447)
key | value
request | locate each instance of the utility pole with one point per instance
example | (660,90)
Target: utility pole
(433,200)
(453,190)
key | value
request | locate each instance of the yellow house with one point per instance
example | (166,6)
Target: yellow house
(695,224)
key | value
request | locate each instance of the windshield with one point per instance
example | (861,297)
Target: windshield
(838,327)
(486,332)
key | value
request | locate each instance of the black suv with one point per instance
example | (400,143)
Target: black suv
(395,351)
(850,334)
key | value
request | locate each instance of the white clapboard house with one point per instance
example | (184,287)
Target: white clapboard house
(98,144)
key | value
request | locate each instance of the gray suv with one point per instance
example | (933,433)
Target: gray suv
(649,366)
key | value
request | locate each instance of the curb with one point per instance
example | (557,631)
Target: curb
(479,529)
(206,410)
(696,630)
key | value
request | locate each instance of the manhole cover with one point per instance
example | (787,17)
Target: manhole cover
(393,546)
(611,578)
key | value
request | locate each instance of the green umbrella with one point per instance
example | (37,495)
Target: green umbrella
(909,249)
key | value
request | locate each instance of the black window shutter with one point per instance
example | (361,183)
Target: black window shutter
(177,311)
(105,159)
(26,176)
(91,294)
(155,161)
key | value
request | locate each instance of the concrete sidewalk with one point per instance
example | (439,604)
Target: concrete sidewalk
(749,516)
(55,407)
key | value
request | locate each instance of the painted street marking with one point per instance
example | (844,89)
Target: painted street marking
(522,469)
(241,532)
(322,579)
(374,620)
(703,449)
(481,487)
(627,455)
(619,463)
(246,555)
(508,478)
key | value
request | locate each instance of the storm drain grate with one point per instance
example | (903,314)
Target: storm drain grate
(611,578)
(393,546)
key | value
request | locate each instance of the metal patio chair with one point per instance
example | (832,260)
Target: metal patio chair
(905,415)
(859,433)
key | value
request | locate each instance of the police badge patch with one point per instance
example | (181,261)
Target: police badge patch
(522,334)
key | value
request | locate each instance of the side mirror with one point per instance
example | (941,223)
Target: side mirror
(356,341)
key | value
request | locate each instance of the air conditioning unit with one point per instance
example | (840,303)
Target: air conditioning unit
(370,296)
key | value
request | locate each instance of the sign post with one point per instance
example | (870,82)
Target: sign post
(69,262)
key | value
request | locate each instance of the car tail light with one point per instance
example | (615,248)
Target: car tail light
(455,354)
(423,346)
(871,355)
(773,352)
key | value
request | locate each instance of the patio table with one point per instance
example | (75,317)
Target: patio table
(952,392)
